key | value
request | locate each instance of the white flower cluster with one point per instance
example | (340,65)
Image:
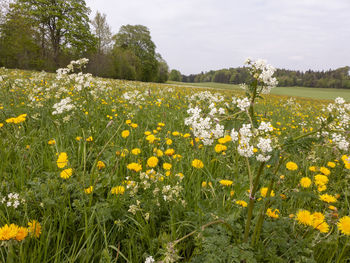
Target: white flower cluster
(206,96)
(134,97)
(204,128)
(242,104)
(81,63)
(246,138)
(263,72)
(12,200)
(149,259)
(63,106)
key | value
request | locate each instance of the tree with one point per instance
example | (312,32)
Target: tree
(64,22)
(163,70)
(102,32)
(137,39)
(175,75)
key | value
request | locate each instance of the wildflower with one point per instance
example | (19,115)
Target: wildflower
(169,141)
(328,198)
(78,138)
(100,165)
(220,147)
(134,167)
(66,173)
(8,232)
(225,139)
(312,168)
(149,259)
(169,152)
(1,124)
(62,160)
(305,182)
(51,142)
(118,190)
(167,166)
(89,139)
(325,171)
(344,225)
(175,133)
(34,228)
(134,125)
(159,153)
(291,166)
(22,233)
(136,151)
(125,134)
(331,164)
(196,163)
(88,190)
(151,138)
(232,193)
(263,192)
(128,122)
(320,179)
(226,182)
(204,184)
(152,161)
(272,213)
(242,203)
(304,217)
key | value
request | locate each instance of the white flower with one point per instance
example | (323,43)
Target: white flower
(149,259)
(265,127)
(243,104)
(234,135)
(265,145)
(339,100)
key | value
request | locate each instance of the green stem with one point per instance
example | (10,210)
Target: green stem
(251,202)
(342,252)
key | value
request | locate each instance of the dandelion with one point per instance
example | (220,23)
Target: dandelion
(344,225)
(101,165)
(325,171)
(88,190)
(304,217)
(51,142)
(89,139)
(167,166)
(125,134)
(169,152)
(320,179)
(331,164)
(242,203)
(263,192)
(272,213)
(305,182)
(34,228)
(134,167)
(328,198)
(313,169)
(136,151)
(226,182)
(66,173)
(169,141)
(151,138)
(220,148)
(118,190)
(62,160)
(291,166)
(78,138)
(22,233)
(152,161)
(8,232)
(196,163)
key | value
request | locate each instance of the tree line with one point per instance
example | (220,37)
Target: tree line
(48,34)
(338,78)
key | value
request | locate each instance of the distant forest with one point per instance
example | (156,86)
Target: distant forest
(335,79)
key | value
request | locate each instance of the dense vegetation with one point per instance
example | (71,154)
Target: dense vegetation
(46,35)
(337,79)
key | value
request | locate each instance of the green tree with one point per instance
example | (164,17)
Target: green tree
(163,70)
(137,39)
(65,22)
(102,32)
(175,75)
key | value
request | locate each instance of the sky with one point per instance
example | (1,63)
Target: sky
(202,35)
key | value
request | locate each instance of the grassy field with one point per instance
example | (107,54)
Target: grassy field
(101,170)
(315,93)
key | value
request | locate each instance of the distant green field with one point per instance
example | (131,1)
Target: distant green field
(316,93)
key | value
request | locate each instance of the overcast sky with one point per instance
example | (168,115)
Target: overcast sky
(200,35)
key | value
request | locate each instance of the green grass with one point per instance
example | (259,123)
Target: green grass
(315,93)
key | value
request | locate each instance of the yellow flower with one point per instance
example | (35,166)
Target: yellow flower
(51,142)
(8,232)
(344,225)
(242,203)
(272,213)
(89,139)
(325,171)
(134,125)
(125,134)
(88,190)
(167,166)
(100,165)
(225,139)
(78,138)
(151,138)
(328,198)
(304,217)
(220,147)
(128,122)
(263,192)
(175,133)
(161,124)
(196,163)
(22,233)
(291,166)
(152,161)
(169,152)
(34,228)
(169,141)
(1,124)
(226,182)
(331,164)
(312,168)
(136,151)
(62,160)
(305,182)
(134,167)
(118,190)
(65,174)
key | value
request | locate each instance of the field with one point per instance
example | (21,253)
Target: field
(99,170)
(315,93)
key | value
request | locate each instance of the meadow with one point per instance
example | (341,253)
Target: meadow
(100,170)
(305,92)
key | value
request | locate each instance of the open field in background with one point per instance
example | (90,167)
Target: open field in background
(316,93)
(103,170)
